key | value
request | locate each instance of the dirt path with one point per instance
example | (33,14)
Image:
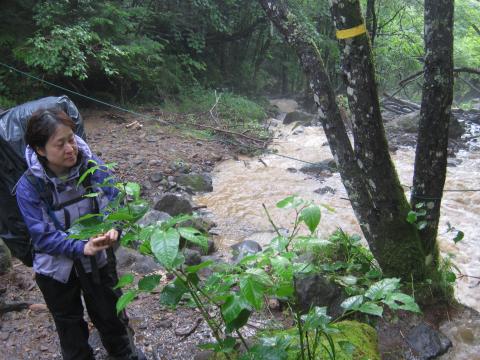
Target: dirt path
(139,153)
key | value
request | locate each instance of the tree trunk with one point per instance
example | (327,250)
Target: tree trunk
(431,152)
(368,173)
(393,239)
(371,18)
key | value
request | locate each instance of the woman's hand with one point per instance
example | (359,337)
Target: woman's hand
(99,243)
(96,244)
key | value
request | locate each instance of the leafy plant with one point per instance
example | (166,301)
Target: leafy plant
(417,215)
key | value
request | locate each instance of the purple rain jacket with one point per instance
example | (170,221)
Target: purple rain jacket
(53,251)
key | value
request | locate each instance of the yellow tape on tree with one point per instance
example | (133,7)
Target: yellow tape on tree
(352,32)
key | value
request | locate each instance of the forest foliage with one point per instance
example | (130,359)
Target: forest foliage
(147,51)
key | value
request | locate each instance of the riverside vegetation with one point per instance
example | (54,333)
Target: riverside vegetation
(232,293)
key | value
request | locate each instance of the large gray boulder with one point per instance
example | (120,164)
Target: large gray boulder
(409,123)
(427,343)
(321,168)
(5,258)
(174,204)
(153,217)
(244,248)
(298,116)
(316,290)
(131,260)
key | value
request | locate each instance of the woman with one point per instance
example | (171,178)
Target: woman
(65,268)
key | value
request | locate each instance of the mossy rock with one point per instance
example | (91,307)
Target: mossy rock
(353,341)
(196,182)
(362,336)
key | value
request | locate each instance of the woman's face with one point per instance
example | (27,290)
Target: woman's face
(61,150)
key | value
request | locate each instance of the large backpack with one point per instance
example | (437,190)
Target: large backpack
(13,123)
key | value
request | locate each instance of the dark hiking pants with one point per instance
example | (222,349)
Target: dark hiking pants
(65,304)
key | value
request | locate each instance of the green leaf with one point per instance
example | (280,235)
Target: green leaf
(347,347)
(289,201)
(316,318)
(459,236)
(252,292)
(348,280)
(175,220)
(232,308)
(125,299)
(124,281)
(194,236)
(371,308)
(149,282)
(420,205)
(173,292)
(422,225)
(422,212)
(89,171)
(352,303)
(311,217)
(412,217)
(196,268)
(260,276)
(450,277)
(133,189)
(164,246)
(401,301)
(91,195)
(381,288)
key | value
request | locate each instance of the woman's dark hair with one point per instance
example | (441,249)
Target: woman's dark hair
(42,124)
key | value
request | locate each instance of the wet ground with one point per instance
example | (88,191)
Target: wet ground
(139,153)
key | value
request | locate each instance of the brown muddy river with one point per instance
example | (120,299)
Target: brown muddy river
(242,186)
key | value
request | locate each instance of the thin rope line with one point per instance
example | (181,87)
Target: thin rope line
(174,125)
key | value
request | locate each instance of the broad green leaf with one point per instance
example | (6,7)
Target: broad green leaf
(459,236)
(316,318)
(128,238)
(382,288)
(260,276)
(175,220)
(240,321)
(284,290)
(252,292)
(289,202)
(401,301)
(133,189)
(124,280)
(87,217)
(149,282)
(196,268)
(173,292)
(311,217)
(232,308)
(125,299)
(352,303)
(194,236)
(371,308)
(164,246)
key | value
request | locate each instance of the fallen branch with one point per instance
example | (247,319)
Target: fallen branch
(230,132)
(18,306)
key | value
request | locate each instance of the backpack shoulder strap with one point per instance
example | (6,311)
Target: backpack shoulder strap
(45,194)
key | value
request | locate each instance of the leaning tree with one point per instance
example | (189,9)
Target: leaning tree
(366,168)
